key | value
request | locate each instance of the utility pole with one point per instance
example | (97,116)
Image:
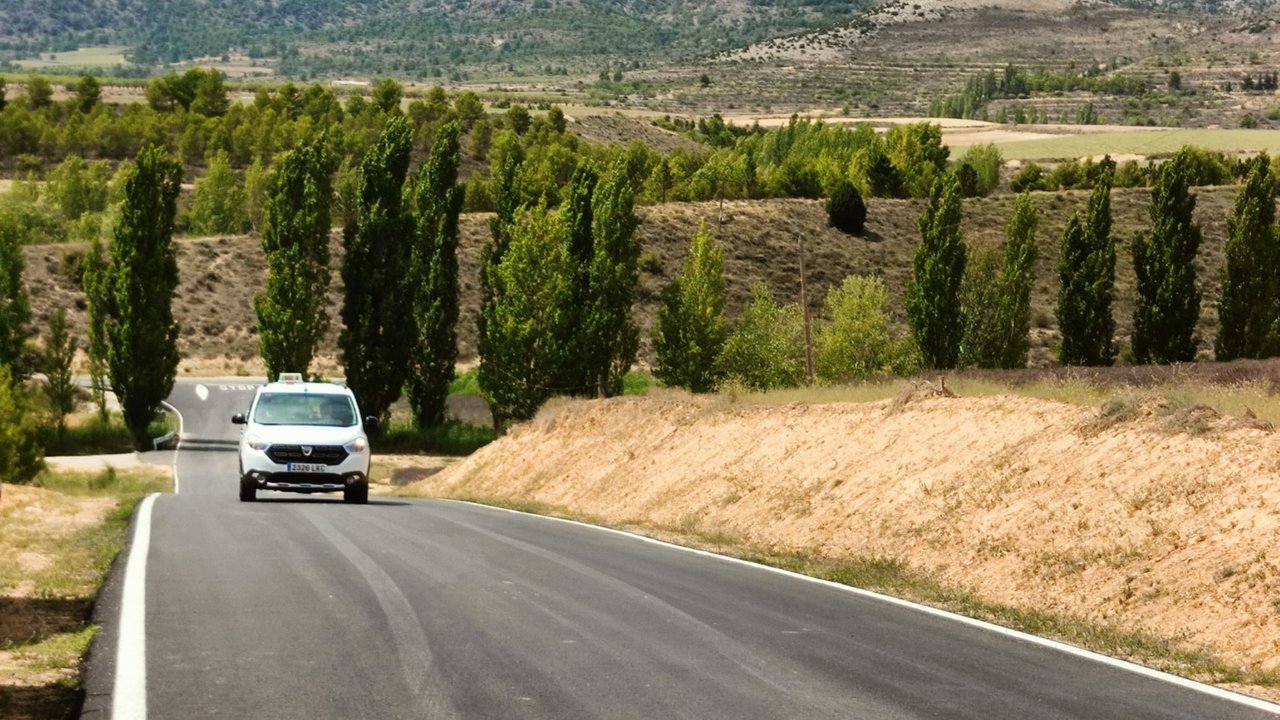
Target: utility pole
(804,309)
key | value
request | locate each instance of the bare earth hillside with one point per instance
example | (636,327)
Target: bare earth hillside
(1027,502)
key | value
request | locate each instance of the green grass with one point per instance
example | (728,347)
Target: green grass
(638,382)
(466,383)
(1140,142)
(452,438)
(891,577)
(95,437)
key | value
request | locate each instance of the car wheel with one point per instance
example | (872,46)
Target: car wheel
(248,489)
(357,494)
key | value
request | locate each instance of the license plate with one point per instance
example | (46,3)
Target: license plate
(307,468)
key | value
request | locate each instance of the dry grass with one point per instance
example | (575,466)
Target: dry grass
(56,544)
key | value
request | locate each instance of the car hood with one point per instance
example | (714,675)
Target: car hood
(305,434)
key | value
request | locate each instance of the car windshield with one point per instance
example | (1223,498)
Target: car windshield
(304,409)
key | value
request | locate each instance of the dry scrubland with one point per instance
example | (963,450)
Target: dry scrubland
(1146,516)
(905,54)
(220,275)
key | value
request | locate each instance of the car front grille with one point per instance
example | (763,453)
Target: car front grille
(326,454)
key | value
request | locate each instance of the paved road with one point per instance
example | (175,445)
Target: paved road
(302,607)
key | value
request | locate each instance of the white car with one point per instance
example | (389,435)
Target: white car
(304,437)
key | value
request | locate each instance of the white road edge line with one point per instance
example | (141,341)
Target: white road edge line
(129,697)
(1217,692)
(177,486)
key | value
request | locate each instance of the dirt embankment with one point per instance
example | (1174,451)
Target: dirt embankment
(1165,521)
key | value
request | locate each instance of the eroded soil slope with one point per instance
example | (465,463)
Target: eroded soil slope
(1166,521)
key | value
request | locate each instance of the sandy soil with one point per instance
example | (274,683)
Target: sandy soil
(1027,502)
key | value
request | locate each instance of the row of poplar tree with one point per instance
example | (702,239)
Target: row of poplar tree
(973,309)
(557,287)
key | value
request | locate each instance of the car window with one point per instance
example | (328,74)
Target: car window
(304,409)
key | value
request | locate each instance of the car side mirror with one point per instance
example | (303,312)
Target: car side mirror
(239,419)
(371,424)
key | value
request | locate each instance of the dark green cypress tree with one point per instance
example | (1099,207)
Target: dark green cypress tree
(15,308)
(139,283)
(1247,311)
(578,220)
(690,330)
(933,299)
(292,309)
(612,337)
(1087,270)
(375,338)
(846,210)
(1168,303)
(433,274)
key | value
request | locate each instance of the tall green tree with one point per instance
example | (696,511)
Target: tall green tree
(376,334)
(434,279)
(15,308)
(98,306)
(612,335)
(933,299)
(88,93)
(1168,306)
(218,200)
(387,94)
(139,283)
(1250,303)
(292,308)
(55,360)
(690,330)
(578,221)
(504,189)
(1087,270)
(1017,277)
(529,285)
(980,304)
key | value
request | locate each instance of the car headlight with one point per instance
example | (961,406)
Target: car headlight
(256,443)
(356,446)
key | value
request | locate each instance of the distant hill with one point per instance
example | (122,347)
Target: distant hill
(1207,7)
(412,37)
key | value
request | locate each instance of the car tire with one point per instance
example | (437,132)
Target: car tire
(248,489)
(357,494)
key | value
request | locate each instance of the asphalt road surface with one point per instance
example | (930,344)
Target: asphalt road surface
(303,607)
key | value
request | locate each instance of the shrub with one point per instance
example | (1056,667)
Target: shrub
(855,342)
(766,349)
(1030,177)
(986,161)
(846,211)
(21,457)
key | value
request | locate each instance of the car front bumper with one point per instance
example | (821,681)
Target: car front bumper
(305,482)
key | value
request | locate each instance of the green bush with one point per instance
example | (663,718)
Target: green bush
(21,456)
(766,350)
(450,438)
(855,341)
(1030,177)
